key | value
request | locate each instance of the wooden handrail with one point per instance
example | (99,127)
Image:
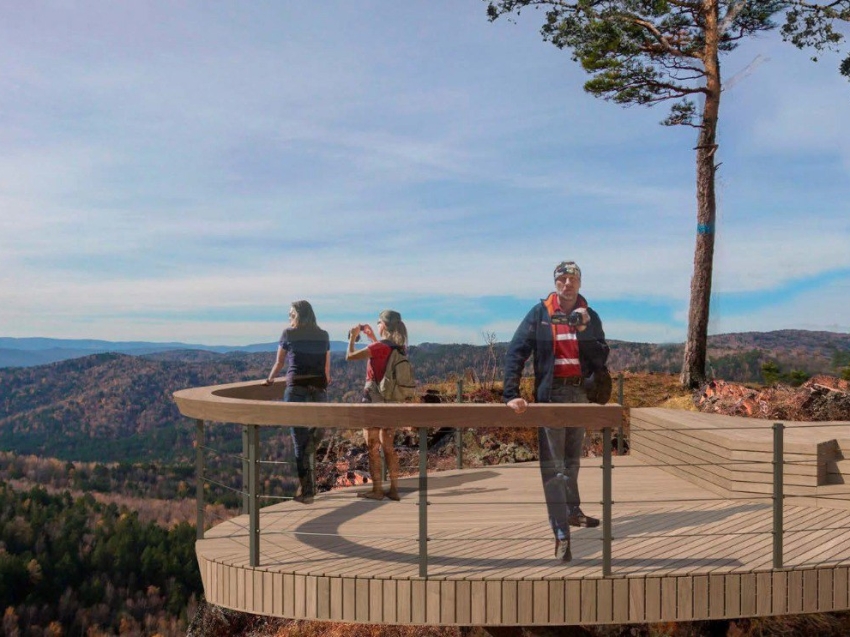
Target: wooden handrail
(254,403)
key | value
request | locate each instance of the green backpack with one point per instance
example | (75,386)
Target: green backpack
(397,384)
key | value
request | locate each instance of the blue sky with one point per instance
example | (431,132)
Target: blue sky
(182,171)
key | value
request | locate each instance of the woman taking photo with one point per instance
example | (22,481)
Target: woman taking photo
(304,350)
(393,335)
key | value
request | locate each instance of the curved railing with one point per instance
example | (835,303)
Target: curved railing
(254,404)
(773,475)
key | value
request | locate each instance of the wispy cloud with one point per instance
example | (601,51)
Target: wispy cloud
(185,171)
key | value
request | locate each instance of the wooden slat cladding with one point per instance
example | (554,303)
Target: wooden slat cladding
(546,603)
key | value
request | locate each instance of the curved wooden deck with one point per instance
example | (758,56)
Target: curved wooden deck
(689,555)
(679,551)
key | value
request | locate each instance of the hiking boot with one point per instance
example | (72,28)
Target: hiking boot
(578,518)
(562,550)
(302,495)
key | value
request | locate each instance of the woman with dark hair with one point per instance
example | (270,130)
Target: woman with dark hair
(393,333)
(304,350)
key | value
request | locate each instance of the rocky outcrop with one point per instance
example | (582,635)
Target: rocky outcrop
(821,398)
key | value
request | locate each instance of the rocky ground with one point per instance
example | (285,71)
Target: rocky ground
(821,398)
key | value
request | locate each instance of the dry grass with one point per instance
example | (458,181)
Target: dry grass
(334,629)
(680,402)
(650,390)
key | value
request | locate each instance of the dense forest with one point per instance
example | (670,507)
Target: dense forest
(79,567)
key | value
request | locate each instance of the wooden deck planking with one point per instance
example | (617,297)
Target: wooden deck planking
(513,579)
(708,555)
(725,460)
(669,547)
(651,456)
(757,450)
(718,464)
(825,553)
(756,432)
(717,447)
(360,553)
(729,485)
(746,438)
(733,455)
(795,544)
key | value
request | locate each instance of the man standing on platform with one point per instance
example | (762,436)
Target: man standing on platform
(570,355)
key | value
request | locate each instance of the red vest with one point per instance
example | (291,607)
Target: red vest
(564,339)
(378,357)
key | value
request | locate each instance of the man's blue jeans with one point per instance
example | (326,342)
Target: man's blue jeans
(560,457)
(305,440)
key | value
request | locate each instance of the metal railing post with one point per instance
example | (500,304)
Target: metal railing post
(253,495)
(246,504)
(620,432)
(423,502)
(606,501)
(778,493)
(459,430)
(199,477)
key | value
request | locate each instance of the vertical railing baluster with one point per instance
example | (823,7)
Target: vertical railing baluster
(246,506)
(459,430)
(423,502)
(620,431)
(253,495)
(606,501)
(199,477)
(778,492)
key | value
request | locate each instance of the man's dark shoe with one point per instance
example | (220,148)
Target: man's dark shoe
(302,496)
(562,550)
(578,518)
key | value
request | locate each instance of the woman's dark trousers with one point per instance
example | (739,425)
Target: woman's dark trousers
(305,440)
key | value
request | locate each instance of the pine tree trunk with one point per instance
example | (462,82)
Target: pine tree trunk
(693,366)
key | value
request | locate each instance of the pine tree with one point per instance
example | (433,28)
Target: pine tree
(651,51)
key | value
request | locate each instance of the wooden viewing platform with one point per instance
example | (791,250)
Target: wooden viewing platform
(731,455)
(678,550)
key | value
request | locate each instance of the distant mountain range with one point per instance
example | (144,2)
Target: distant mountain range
(28,352)
(799,349)
(113,406)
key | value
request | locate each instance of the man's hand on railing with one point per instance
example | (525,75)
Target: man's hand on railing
(519,405)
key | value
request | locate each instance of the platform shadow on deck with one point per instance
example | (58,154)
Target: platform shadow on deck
(679,552)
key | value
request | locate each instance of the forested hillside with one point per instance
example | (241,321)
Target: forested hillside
(740,357)
(73,566)
(114,406)
(105,406)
